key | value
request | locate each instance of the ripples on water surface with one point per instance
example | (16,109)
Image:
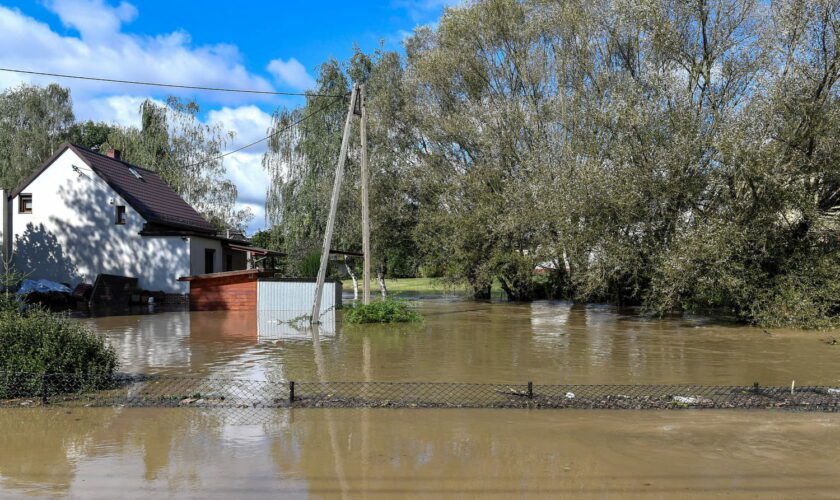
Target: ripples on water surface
(348,453)
(464,341)
(187,453)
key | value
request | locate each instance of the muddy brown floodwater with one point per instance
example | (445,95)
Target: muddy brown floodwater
(390,453)
(187,453)
(464,341)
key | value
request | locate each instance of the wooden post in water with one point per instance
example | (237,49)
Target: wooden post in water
(339,177)
(365,207)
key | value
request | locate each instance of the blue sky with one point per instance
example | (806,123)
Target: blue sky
(261,45)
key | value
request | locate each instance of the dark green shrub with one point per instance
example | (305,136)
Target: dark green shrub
(42,351)
(806,296)
(384,311)
(310,265)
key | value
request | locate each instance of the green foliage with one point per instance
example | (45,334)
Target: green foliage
(185,152)
(271,239)
(674,155)
(382,311)
(804,296)
(34,121)
(90,134)
(310,264)
(39,343)
(301,164)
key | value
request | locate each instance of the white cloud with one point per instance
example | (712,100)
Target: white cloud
(93,19)
(291,73)
(249,124)
(246,171)
(102,48)
(119,109)
(258,222)
(170,58)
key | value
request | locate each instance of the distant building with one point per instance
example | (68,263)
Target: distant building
(82,214)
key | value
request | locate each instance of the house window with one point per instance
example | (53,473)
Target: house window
(209,257)
(120,215)
(25,206)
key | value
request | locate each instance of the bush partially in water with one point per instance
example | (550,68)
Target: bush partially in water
(383,311)
(38,347)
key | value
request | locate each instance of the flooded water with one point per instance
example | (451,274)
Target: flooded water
(185,453)
(389,453)
(464,341)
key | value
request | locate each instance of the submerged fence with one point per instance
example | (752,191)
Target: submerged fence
(26,390)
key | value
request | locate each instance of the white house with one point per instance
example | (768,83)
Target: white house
(82,214)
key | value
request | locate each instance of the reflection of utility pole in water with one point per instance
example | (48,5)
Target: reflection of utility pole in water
(319,366)
(366,413)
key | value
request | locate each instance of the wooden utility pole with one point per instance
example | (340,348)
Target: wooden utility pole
(365,209)
(339,177)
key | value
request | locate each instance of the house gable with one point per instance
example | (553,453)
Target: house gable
(73,234)
(142,189)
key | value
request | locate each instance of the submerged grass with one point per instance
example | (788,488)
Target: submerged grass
(382,311)
(421,286)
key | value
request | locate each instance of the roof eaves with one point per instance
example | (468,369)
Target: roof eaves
(23,185)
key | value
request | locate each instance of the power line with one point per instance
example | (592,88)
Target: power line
(269,136)
(169,85)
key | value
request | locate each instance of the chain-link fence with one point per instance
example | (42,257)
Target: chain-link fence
(18,390)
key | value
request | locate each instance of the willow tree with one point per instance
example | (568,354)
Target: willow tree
(301,162)
(34,121)
(674,155)
(186,153)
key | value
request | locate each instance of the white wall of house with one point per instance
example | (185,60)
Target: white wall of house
(198,246)
(71,235)
(4,228)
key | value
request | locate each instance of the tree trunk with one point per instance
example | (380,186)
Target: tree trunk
(380,275)
(354,277)
(508,292)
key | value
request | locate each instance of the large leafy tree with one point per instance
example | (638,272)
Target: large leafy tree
(186,153)
(676,155)
(302,160)
(34,121)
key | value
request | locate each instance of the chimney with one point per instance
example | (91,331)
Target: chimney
(113,153)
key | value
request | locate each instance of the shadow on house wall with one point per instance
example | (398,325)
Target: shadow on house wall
(40,255)
(99,245)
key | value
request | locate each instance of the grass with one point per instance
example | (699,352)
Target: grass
(381,311)
(417,286)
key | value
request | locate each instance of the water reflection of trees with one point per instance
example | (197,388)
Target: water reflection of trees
(437,452)
(545,342)
(37,444)
(43,448)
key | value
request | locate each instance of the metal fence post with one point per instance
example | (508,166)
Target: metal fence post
(530,390)
(44,389)
(291,391)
